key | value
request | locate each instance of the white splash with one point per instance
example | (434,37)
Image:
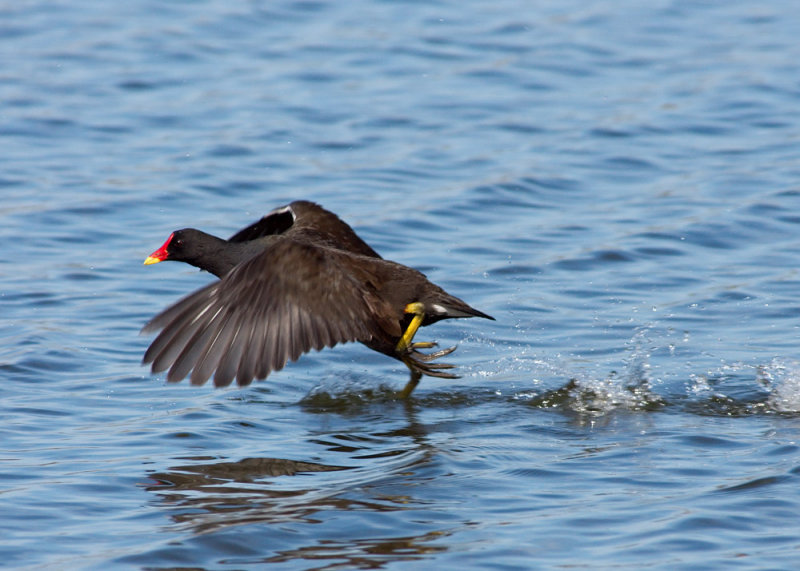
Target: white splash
(782,378)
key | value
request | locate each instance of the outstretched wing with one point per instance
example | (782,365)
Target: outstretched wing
(290,299)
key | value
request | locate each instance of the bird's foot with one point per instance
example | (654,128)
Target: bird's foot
(420,363)
(430,345)
(428,357)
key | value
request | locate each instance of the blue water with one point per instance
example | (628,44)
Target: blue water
(618,183)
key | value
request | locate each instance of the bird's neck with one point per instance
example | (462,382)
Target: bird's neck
(219,256)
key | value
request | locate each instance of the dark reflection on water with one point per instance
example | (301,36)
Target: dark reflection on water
(365,553)
(247,470)
(211,496)
(214,497)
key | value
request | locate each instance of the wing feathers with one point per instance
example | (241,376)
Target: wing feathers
(229,361)
(282,303)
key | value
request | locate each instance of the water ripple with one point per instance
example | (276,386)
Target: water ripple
(616,185)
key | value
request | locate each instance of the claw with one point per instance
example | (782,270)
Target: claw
(428,366)
(425,357)
(441,374)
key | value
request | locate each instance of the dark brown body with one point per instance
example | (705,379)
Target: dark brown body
(298,279)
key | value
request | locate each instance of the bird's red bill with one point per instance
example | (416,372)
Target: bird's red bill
(159,255)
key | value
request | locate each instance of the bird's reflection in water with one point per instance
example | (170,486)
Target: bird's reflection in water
(206,497)
(215,495)
(210,495)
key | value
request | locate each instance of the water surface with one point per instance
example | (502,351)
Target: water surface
(615,182)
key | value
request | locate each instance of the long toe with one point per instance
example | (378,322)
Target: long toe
(440,374)
(436,366)
(425,357)
(430,369)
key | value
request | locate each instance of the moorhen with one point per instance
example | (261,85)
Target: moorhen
(298,279)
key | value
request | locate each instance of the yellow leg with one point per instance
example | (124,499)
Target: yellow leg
(418,310)
(404,344)
(419,363)
(411,384)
